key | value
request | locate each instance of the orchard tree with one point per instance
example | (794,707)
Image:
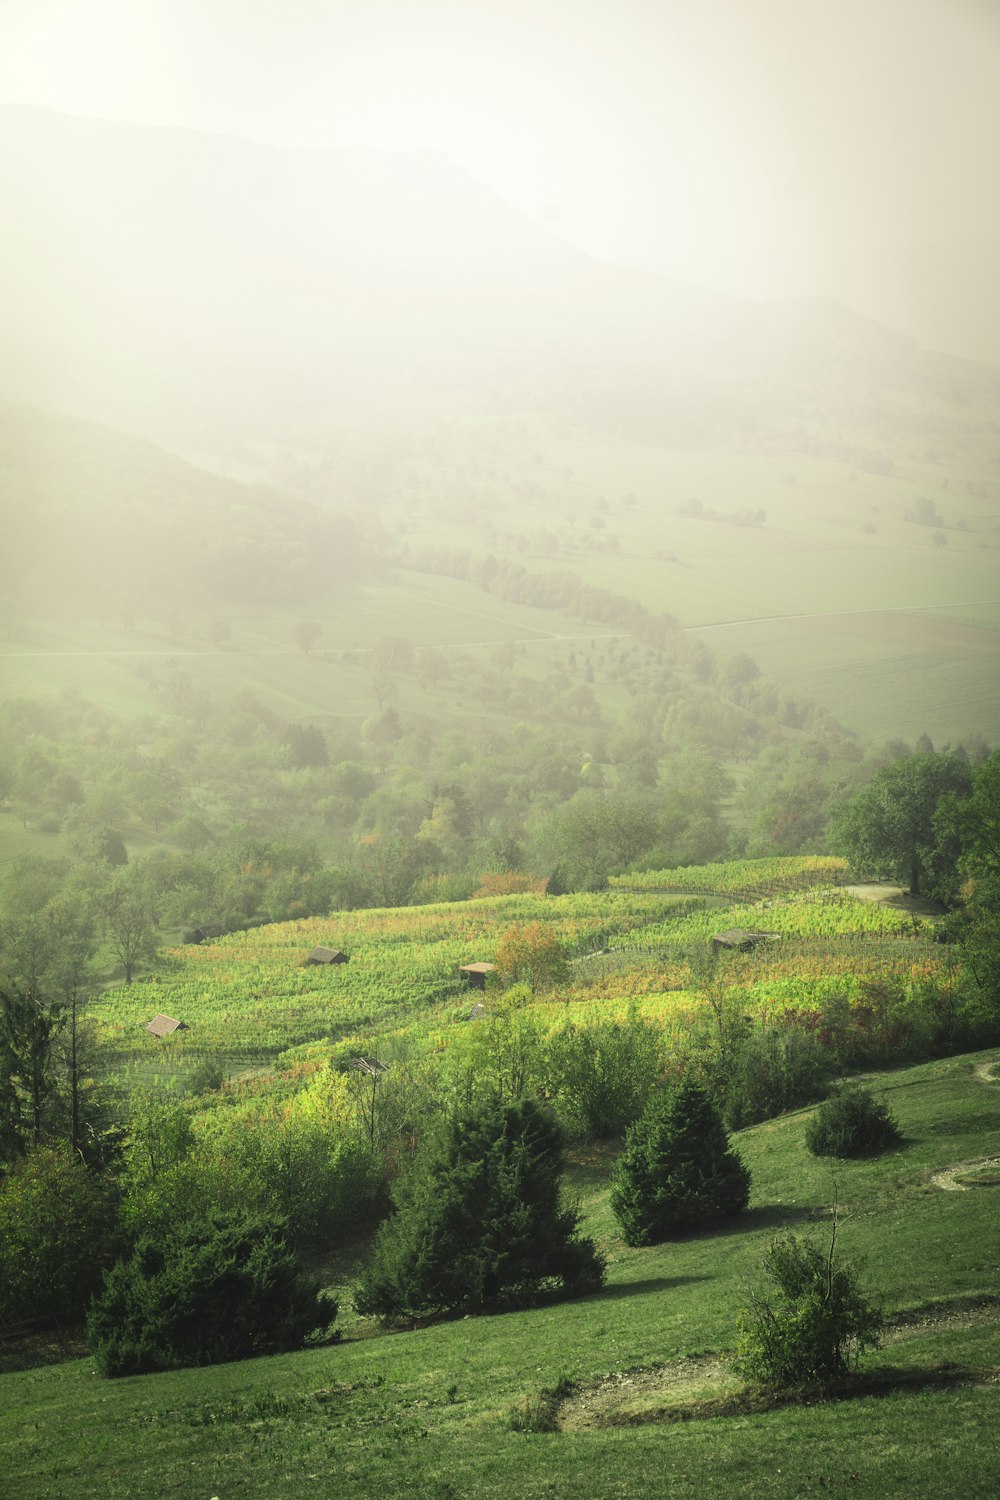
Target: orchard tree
(890,826)
(130,918)
(307,634)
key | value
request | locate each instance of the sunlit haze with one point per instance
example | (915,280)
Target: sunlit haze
(761,147)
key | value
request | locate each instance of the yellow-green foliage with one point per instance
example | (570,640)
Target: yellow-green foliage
(248,997)
(759,877)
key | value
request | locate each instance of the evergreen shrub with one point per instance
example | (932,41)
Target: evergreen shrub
(227,1287)
(852,1122)
(677,1171)
(478,1220)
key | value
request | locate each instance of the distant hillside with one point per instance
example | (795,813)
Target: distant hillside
(98,518)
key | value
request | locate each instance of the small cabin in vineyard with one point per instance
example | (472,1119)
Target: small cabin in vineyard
(475,974)
(165,1026)
(205,933)
(741,940)
(325,956)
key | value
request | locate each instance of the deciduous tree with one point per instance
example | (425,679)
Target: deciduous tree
(890,826)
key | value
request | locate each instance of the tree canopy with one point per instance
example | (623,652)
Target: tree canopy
(890,826)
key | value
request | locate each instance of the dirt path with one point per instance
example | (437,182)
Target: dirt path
(642,1394)
(948,1178)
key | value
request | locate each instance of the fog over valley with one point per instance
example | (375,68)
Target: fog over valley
(499,697)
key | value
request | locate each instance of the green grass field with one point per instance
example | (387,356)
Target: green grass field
(428,1412)
(112,666)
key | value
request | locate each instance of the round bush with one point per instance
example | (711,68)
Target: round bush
(223,1288)
(677,1170)
(851,1123)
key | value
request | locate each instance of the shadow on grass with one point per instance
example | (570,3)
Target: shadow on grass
(642,1288)
(769,1216)
(51,1347)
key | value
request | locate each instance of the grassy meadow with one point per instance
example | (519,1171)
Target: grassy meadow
(634,1381)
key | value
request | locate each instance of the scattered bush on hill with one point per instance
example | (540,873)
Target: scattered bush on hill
(852,1122)
(809,1323)
(227,1287)
(677,1170)
(478,1221)
(531,955)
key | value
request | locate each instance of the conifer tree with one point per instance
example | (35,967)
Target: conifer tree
(478,1220)
(677,1170)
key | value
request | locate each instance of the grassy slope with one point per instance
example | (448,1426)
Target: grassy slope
(424,1413)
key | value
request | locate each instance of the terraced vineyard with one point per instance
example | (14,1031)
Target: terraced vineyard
(248,998)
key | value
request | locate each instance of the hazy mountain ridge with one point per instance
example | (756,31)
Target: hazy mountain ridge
(165,281)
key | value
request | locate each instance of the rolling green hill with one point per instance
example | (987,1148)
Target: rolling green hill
(645,1402)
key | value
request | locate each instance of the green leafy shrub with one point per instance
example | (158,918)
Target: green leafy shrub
(774,1068)
(57,1235)
(851,1123)
(605,1073)
(225,1288)
(677,1170)
(478,1221)
(323,1184)
(809,1323)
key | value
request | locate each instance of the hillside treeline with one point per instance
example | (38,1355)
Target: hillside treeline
(234,813)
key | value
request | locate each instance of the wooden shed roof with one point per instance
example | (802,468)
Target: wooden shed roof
(326,956)
(477,968)
(163,1025)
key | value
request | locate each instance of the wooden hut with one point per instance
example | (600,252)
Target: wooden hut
(165,1026)
(475,974)
(205,932)
(325,956)
(740,939)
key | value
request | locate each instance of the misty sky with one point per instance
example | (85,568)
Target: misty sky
(764,147)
